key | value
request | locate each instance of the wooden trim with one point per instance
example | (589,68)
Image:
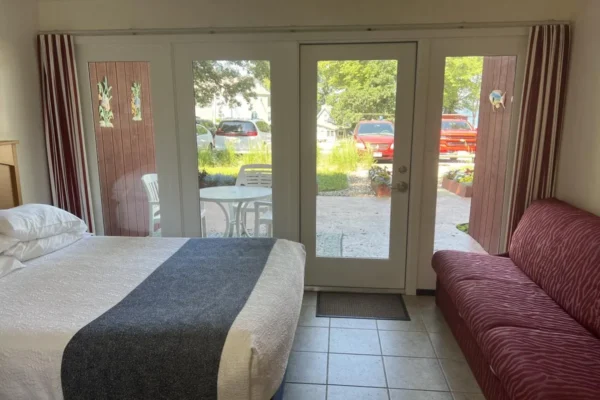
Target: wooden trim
(10,182)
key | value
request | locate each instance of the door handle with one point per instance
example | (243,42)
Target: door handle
(400,187)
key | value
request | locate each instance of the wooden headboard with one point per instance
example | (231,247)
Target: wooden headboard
(10,185)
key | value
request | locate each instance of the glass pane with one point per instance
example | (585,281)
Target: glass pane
(125,148)
(234,154)
(475,128)
(355,146)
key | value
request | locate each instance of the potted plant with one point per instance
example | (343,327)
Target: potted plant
(459,181)
(381,181)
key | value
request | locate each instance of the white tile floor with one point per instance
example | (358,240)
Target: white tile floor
(354,359)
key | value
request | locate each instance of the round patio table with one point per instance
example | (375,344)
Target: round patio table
(241,195)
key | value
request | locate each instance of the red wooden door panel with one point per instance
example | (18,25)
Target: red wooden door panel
(125,151)
(492,153)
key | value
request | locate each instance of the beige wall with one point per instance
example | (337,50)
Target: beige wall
(154,14)
(579,164)
(20,115)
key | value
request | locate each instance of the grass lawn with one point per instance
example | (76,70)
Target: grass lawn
(330,181)
(327,181)
(222,167)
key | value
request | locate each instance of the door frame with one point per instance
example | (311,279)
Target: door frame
(160,82)
(511,45)
(104,45)
(389,273)
(283,58)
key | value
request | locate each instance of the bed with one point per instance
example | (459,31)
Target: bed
(141,318)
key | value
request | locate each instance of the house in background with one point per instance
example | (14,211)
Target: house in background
(326,129)
(257,108)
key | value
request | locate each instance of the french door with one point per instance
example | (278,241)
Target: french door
(356,110)
(237,115)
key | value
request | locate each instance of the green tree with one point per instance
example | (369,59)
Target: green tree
(462,84)
(228,79)
(357,89)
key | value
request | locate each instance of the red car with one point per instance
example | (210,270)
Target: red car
(457,135)
(376,135)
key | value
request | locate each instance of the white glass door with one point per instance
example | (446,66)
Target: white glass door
(357,103)
(232,100)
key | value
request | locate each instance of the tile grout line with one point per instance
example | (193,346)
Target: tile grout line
(438,359)
(387,384)
(376,387)
(367,354)
(328,353)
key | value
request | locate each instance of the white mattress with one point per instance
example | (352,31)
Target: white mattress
(46,303)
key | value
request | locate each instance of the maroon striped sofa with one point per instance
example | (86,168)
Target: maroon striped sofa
(529,323)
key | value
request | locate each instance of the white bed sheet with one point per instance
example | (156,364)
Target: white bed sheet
(46,303)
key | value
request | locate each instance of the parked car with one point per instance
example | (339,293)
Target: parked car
(458,135)
(377,136)
(243,135)
(208,124)
(204,139)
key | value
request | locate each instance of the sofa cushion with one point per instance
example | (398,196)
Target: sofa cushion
(558,247)
(542,365)
(486,304)
(457,266)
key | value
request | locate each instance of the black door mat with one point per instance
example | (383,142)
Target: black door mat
(361,305)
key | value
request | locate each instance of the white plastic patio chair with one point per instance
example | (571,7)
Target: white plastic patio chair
(253,175)
(257,175)
(264,216)
(150,182)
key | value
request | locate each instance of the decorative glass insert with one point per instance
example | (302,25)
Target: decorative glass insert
(136,101)
(106,114)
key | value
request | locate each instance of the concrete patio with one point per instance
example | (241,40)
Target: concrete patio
(358,227)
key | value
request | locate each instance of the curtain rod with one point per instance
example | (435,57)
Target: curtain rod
(300,29)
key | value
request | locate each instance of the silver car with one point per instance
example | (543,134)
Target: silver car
(243,135)
(204,138)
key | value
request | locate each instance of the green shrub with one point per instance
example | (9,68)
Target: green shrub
(465,178)
(344,157)
(463,174)
(258,155)
(463,227)
(217,158)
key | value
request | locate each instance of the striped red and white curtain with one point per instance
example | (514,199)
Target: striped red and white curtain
(541,120)
(63,126)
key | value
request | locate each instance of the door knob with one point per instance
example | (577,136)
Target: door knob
(401,187)
(402,169)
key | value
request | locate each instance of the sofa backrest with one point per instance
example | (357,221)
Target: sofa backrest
(558,247)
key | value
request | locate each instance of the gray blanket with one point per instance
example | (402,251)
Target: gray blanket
(164,340)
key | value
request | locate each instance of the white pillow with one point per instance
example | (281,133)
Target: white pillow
(36,221)
(24,251)
(8,265)
(7,242)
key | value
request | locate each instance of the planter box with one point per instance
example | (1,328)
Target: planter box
(465,190)
(381,190)
(461,189)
